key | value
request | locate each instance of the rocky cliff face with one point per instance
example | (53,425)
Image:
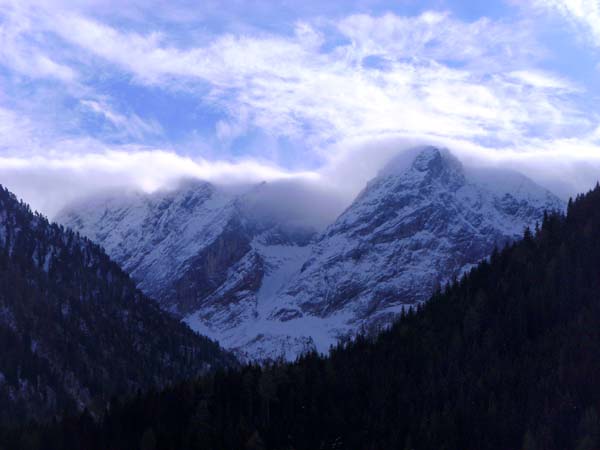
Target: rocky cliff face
(177,245)
(188,247)
(267,289)
(409,231)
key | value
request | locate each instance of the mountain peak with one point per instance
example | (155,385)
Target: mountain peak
(422,159)
(427,159)
(258,286)
(436,160)
(422,165)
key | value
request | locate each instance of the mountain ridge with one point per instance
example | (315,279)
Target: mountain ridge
(505,357)
(418,224)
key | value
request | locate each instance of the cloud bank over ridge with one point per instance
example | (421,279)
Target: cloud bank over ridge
(93,96)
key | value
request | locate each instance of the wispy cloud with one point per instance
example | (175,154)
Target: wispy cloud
(53,180)
(131,126)
(584,15)
(439,76)
(483,43)
(330,85)
(21,49)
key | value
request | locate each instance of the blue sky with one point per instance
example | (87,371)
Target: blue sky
(104,94)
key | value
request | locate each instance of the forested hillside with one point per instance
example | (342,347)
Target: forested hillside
(506,358)
(74,330)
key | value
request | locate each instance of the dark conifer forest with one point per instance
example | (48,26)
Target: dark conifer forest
(74,329)
(508,357)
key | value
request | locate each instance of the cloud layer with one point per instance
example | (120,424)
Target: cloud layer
(583,15)
(93,96)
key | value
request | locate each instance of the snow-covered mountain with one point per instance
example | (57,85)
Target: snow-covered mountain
(266,287)
(202,250)
(410,230)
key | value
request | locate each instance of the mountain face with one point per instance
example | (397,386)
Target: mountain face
(411,230)
(74,329)
(506,358)
(266,289)
(201,248)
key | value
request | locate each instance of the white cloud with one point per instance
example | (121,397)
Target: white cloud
(50,182)
(565,166)
(539,79)
(379,84)
(442,77)
(584,15)
(440,37)
(17,133)
(21,52)
(131,126)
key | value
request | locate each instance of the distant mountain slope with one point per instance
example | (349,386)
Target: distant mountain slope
(74,330)
(179,245)
(201,248)
(410,230)
(506,358)
(260,287)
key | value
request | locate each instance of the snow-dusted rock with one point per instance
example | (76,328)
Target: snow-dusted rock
(268,289)
(409,231)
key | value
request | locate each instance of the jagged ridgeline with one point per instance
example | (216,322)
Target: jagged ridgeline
(74,330)
(235,269)
(506,358)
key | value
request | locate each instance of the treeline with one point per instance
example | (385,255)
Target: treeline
(506,358)
(74,330)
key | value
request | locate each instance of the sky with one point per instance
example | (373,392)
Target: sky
(106,94)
